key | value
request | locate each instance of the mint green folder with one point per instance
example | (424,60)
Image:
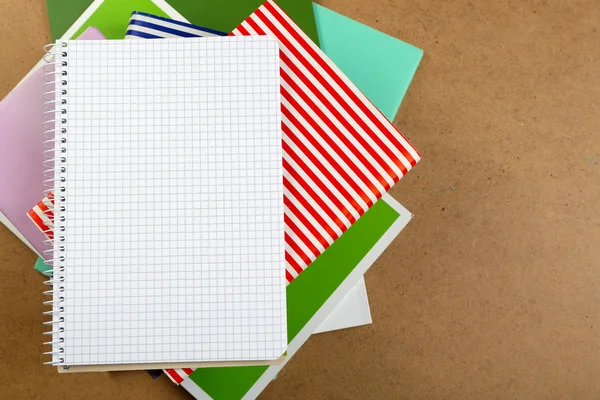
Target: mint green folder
(378,64)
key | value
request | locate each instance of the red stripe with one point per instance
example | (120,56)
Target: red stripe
(304,239)
(366,145)
(38,221)
(297,249)
(242,30)
(277,13)
(174,375)
(288,132)
(292,262)
(46,210)
(308,207)
(255,26)
(324,153)
(298,214)
(309,190)
(188,371)
(288,276)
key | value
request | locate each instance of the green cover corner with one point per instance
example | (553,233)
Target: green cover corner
(305,296)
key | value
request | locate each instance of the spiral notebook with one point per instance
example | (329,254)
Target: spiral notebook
(196,276)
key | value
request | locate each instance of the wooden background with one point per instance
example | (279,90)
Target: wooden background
(493,290)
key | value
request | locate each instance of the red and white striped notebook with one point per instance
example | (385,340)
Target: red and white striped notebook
(340,154)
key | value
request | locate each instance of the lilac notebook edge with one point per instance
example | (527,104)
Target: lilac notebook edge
(21,160)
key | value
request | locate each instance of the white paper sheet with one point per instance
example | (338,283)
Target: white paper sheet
(353,310)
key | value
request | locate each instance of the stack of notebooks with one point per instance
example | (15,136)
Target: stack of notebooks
(214,192)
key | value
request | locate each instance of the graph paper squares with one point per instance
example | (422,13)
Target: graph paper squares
(174,235)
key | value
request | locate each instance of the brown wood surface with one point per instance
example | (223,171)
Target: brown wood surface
(493,290)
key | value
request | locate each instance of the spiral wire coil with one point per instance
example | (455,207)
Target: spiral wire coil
(55,122)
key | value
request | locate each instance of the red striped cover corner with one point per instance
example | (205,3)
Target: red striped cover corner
(178,375)
(43,217)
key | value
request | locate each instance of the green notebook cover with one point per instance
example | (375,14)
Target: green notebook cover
(63,13)
(220,15)
(225,16)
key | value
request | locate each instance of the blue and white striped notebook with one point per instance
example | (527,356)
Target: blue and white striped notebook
(148,26)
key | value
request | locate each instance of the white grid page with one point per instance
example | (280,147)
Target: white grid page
(174,235)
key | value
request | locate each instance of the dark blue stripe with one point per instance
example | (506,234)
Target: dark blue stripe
(163,29)
(200,28)
(142,34)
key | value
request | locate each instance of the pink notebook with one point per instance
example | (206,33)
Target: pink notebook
(21,148)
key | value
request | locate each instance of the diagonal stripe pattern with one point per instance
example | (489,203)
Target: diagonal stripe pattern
(340,153)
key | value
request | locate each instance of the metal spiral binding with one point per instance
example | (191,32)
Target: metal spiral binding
(54,169)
